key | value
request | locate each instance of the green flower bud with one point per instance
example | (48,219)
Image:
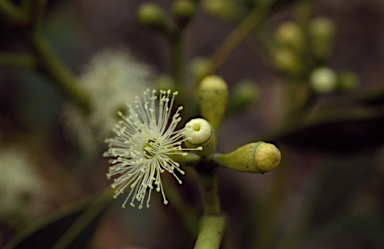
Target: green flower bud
(183,11)
(347,81)
(243,95)
(288,62)
(223,9)
(290,34)
(322,32)
(199,68)
(323,80)
(199,133)
(213,98)
(151,16)
(255,158)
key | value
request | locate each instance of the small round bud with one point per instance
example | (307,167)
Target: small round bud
(323,80)
(222,9)
(322,32)
(213,98)
(199,133)
(348,81)
(183,11)
(255,158)
(290,34)
(199,68)
(267,157)
(151,16)
(288,62)
(243,95)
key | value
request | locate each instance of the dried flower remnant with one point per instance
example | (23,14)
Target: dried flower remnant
(112,78)
(143,146)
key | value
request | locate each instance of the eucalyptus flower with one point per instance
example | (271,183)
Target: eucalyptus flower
(146,140)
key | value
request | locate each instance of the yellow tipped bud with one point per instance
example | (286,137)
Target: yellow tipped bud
(213,98)
(243,96)
(322,32)
(255,158)
(288,62)
(200,133)
(151,16)
(183,11)
(323,80)
(223,9)
(290,34)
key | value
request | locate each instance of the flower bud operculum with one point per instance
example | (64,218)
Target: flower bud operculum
(323,80)
(255,158)
(213,99)
(152,16)
(322,32)
(200,133)
(290,34)
(183,11)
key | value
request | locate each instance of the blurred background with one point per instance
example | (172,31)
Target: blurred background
(328,191)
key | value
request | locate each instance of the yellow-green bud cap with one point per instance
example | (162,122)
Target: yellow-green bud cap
(213,98)
(243,95)
(288,62)
(224,9)
(347,81)
(290,34)
(255,158)
(199,133)
(183,10)
(199,68)
(323,80)
(151,16)
(322,32)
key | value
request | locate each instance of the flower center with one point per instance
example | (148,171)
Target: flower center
(196,127)
(150,148)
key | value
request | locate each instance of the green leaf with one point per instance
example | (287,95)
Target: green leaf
(72,228)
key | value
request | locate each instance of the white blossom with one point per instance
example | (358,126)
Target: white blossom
(142,150)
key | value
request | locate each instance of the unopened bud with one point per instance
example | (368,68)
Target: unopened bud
(322,32)
(288,62)
(151,16)
(213,98)
(199,68)
(348,81)
(223,9)
(199,133)
(183,11)
(323,80)
(243,95)
(290,34)
(255,158)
